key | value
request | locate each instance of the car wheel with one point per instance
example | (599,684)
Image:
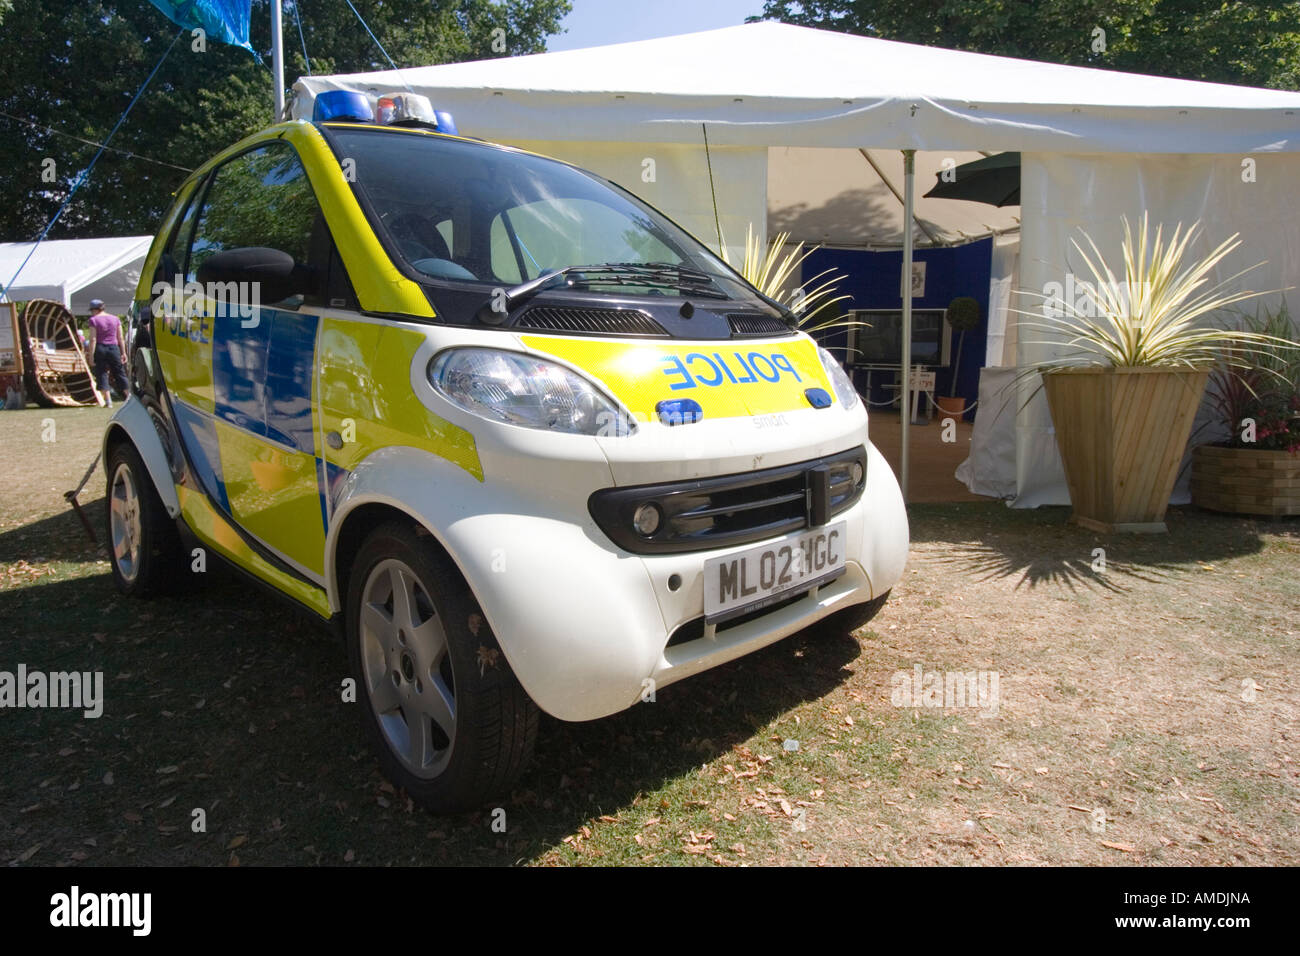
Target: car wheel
(853,617)
(144,547)
(447,717)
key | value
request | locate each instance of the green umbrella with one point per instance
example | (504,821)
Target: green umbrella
(994,180)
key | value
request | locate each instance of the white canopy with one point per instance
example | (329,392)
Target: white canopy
(74,271)
(787,112)
(772,84)
(854,198)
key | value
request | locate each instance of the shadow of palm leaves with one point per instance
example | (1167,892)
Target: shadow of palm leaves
(1036,567)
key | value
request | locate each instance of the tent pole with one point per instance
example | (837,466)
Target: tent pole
(909,175)
(277,57)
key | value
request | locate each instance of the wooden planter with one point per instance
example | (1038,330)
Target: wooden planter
(1122,433)
(1246,481)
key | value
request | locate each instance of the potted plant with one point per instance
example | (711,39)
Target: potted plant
(1257,469)
(1137,356)
(963,315)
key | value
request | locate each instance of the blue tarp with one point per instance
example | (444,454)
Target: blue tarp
(222,20)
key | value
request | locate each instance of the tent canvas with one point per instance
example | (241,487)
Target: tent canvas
(1094,144)
(74,271)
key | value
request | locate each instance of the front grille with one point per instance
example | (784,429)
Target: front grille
(544,318)
(709,513)
(756,323)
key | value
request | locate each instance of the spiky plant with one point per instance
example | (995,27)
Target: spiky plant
(768,267)
(1266,392)
(1155,316)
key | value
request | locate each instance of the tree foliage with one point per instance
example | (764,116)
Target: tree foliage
(1221,41)
(72,66)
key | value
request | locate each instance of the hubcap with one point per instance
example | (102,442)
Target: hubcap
(124,523)
(407,669)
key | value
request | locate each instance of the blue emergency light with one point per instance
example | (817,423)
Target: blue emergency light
(391,109)
(342,105)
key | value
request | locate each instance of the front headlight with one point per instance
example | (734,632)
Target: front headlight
(522,390)
(840,381)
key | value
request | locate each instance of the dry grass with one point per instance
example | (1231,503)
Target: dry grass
(1120,691)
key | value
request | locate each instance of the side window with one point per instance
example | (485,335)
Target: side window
(259,198)
(172,262)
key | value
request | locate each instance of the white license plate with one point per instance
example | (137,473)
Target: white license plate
(762,575)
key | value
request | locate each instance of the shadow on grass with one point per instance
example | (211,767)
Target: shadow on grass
(989,540)
(60,537)
(222,701)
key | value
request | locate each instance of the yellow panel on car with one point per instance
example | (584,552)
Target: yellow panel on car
(728,379)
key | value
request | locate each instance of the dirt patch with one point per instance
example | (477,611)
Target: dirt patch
(1145,713)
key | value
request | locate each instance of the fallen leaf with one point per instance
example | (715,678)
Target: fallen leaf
(237,841)
(28,853)
(1123,847)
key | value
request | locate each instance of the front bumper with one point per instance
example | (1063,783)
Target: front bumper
(586,626)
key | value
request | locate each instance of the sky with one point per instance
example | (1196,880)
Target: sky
(598,22)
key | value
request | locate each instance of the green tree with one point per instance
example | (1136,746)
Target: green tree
(72,66)
(1220,41)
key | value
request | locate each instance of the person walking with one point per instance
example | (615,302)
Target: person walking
(106,333)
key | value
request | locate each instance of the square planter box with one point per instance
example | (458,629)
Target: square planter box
(1246,481)
(1122,433)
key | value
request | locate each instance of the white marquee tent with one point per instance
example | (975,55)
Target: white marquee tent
(74,271)
(1095,144)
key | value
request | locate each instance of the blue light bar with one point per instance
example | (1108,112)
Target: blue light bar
(342,105)
(446,124)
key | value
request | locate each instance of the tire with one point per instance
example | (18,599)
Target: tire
(144,548)
(444,712)
(853,617)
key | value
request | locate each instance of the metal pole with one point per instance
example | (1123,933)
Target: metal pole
(909,174)
(277,56)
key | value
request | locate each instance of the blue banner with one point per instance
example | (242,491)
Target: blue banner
(223,20)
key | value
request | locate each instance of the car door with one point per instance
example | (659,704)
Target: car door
(252,423)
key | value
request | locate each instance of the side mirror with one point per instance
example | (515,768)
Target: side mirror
(257,273)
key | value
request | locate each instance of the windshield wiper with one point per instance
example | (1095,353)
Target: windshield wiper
(653,274)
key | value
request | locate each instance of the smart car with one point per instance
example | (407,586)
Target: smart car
(523,441)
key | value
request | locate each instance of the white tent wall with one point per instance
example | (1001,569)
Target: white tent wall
(1062,193)
(1004,272)
(675,178)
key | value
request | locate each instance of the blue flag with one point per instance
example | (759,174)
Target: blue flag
(223,20)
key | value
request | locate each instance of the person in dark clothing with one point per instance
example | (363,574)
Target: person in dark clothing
(106,331)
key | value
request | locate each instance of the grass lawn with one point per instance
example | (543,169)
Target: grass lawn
(1145,714)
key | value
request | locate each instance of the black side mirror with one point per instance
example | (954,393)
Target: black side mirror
(256,271)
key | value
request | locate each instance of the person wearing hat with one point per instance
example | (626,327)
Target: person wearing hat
(106,335)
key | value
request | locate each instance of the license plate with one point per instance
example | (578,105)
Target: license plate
(764,575)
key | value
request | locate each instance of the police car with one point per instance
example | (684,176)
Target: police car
(522,439)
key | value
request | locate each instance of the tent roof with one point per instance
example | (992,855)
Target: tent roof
(773,84)
(850,197)
(61,268)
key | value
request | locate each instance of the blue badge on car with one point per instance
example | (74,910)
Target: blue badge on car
(679,411)
(817,397)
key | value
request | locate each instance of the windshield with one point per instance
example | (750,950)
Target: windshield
(466,212)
